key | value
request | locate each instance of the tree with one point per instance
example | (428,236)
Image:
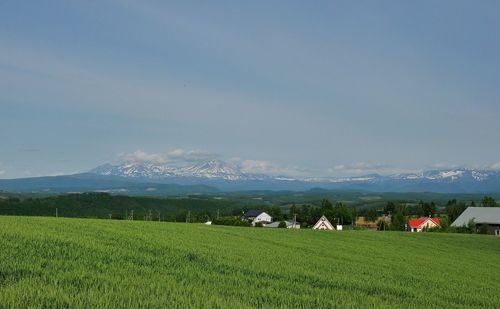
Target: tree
(488,201)
(343,213)
(282,225)
(471,226)
(294,210)
(398,221)
(276,213)
(389,208)
(426,209)
(371,214)
(454,209)
(326,205)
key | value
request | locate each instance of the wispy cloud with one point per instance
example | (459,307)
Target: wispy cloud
(190,155)
(270,168)
(142,156)
(495,166)
(174,156)
(361,168)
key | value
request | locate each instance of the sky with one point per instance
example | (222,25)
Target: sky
(320,88)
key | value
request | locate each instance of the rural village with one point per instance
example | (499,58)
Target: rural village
(485,220)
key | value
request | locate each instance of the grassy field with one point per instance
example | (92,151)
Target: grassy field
(56,262)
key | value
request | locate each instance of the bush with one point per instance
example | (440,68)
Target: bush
(259,224)
(282,225)
(232,221)
(483,229)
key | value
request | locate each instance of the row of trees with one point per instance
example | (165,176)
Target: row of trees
(338,213)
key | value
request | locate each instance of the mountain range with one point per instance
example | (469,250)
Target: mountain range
(230,177)
(214,176)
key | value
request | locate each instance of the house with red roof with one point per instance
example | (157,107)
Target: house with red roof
(417,225)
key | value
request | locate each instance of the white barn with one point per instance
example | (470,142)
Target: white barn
(323,224)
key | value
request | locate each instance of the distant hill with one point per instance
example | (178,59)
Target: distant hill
(215,176)
(91,182)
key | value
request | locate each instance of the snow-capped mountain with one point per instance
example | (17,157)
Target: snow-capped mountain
(213,169)
(451,175)
(229,176)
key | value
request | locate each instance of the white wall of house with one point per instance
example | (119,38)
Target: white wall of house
(263,217)
(323,224)
(429,224)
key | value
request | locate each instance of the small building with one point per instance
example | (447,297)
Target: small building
(489,216)
(289,224)
(417,225)
(323,224)
(257,216)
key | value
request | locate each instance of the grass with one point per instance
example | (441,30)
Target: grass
(56,262)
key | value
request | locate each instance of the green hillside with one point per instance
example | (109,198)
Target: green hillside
(101,205)
(58,262)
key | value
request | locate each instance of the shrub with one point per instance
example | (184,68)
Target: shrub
(232,221)
(282,225)
(483,229)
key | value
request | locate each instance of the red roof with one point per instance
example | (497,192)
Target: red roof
(416,223)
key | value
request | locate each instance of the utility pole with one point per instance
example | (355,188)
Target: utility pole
(159,215)
(109,216)
(57,215)
(294,221)
(132,215)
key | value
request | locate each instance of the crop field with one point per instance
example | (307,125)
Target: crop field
(57,262)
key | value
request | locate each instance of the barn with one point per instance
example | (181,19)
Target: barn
(489,216)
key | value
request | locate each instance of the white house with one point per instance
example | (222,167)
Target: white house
(257,216)
(323,224)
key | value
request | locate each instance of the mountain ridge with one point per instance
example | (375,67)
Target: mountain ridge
(229,176)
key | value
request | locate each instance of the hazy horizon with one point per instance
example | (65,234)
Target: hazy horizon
(330,88)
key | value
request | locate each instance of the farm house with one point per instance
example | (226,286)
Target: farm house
(489,216)
(257,216)
(323,224)
(420,224)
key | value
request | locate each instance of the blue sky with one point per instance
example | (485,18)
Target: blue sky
(326,88)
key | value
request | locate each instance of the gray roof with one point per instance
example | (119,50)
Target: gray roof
(489,215)
(253,213)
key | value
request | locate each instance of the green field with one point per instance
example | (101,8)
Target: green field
(56,262)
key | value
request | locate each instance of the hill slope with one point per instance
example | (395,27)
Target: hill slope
(88,182)
(49,262)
